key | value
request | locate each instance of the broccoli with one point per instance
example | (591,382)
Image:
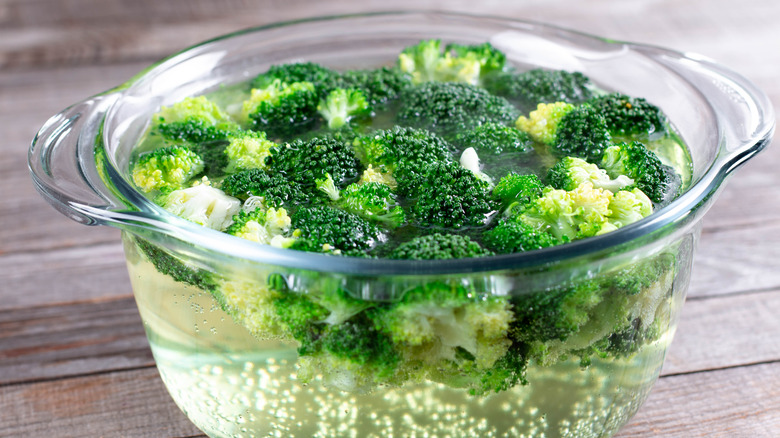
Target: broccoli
(193,109)
(532,87)
(661,183)
(305,161)
(629,117)
(516,188)
(509,237)
(322,78)
(448,108)
(328,229)
(489,58)
(399,150)
(449,196)
(570,172)
(281,109)
(629,206)
(341,105)
(379,86)
(247,150)
(542,123)
(171,266)
(427,62)
(373,201)
(275,189)
(259,224)
(439,246)
(496,139)
(167,167)
(202,204)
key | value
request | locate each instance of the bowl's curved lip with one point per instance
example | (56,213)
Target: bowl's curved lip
(153,218)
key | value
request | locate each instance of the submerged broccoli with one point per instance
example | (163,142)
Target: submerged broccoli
(661,183)
(439,246)
(532,87)
(259,224)
(494,138)
(427,62)
(328,229)
(169,167)
(281,109)
(274,189)
(320,77)
(305,161)
(516,188)
(373,201)
(570,172)
(203,204)
(448,108)
(247,150)
(378,86)
(510,236)
(629,117)
(341,105)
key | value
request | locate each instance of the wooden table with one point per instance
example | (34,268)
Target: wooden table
(74,360)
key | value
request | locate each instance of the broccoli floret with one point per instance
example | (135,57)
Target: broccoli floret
(193,109)
(196,130)
(373,201)
(259,224)
(449,196)
(358,341)
(329,229)
(281,109)
(439,246)
(275,189)
(516,188)
(496,139)
(378,175)
(167,167)
(630,117)
(305,161)
(536,86)
(629,206)
(509,237)
(247,150)
(489,58)
(426,62)
(507,372)
(379,85)
(661,183)
(582,133)
(570,172)
(202,204)
(448,108)
(341,105)
(321,77)
(171,266)
(301,318)
(542,123)
(398,150)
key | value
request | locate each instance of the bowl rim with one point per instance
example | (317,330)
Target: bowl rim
(151,217)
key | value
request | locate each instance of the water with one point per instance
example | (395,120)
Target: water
(231,384)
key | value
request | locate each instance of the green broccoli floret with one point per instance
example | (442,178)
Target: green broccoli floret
(274,189)
(628,206)
(193,109)
(542,123)
(281,109)
(268,226)
(171,266)
(448,108)
(323,78)
(247,150)
(489,58)
(630,117)
(379,85)
(426,62)
(359,342)
(532,87)
(516,188)
(341,105)
(439,247)
(495,138)
(196,130)
(305,161)
(661,183)
(167,167)
(202,204)
(329,229)
(509,237)
(400,150)
(570,172)
(301,317)
(446,195)
(373,201)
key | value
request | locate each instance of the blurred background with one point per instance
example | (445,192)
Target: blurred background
(73,356)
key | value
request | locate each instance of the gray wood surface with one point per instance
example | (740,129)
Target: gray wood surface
(74,360)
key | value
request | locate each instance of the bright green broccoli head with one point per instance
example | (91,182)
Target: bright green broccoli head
(342,105)
(496,139)
(401,149)
(536,86)
(510,237)
(630,117)
(282,109)
(247,150)
(582,133)
(274,189)
(373,201)
(570,172)
(193,109)
(449,196)
(378,86)
(171,266)
(489,58)
(661,183)
(261,224)
(426,62)
(322,78)
(329,229)
(305,161)
(202,204)
(516,188)
(448,108)
(542,123)
(439,246)
(168,167)
(629,206)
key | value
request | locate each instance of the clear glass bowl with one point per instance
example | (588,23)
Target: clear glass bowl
(232,380)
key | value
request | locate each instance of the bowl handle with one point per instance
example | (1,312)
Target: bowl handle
(62,161)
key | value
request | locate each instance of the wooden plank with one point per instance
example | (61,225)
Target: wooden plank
(735,402)
(129,404)
(73,274)
(66,340)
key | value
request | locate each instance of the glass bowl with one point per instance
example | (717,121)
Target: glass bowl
(208,323)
